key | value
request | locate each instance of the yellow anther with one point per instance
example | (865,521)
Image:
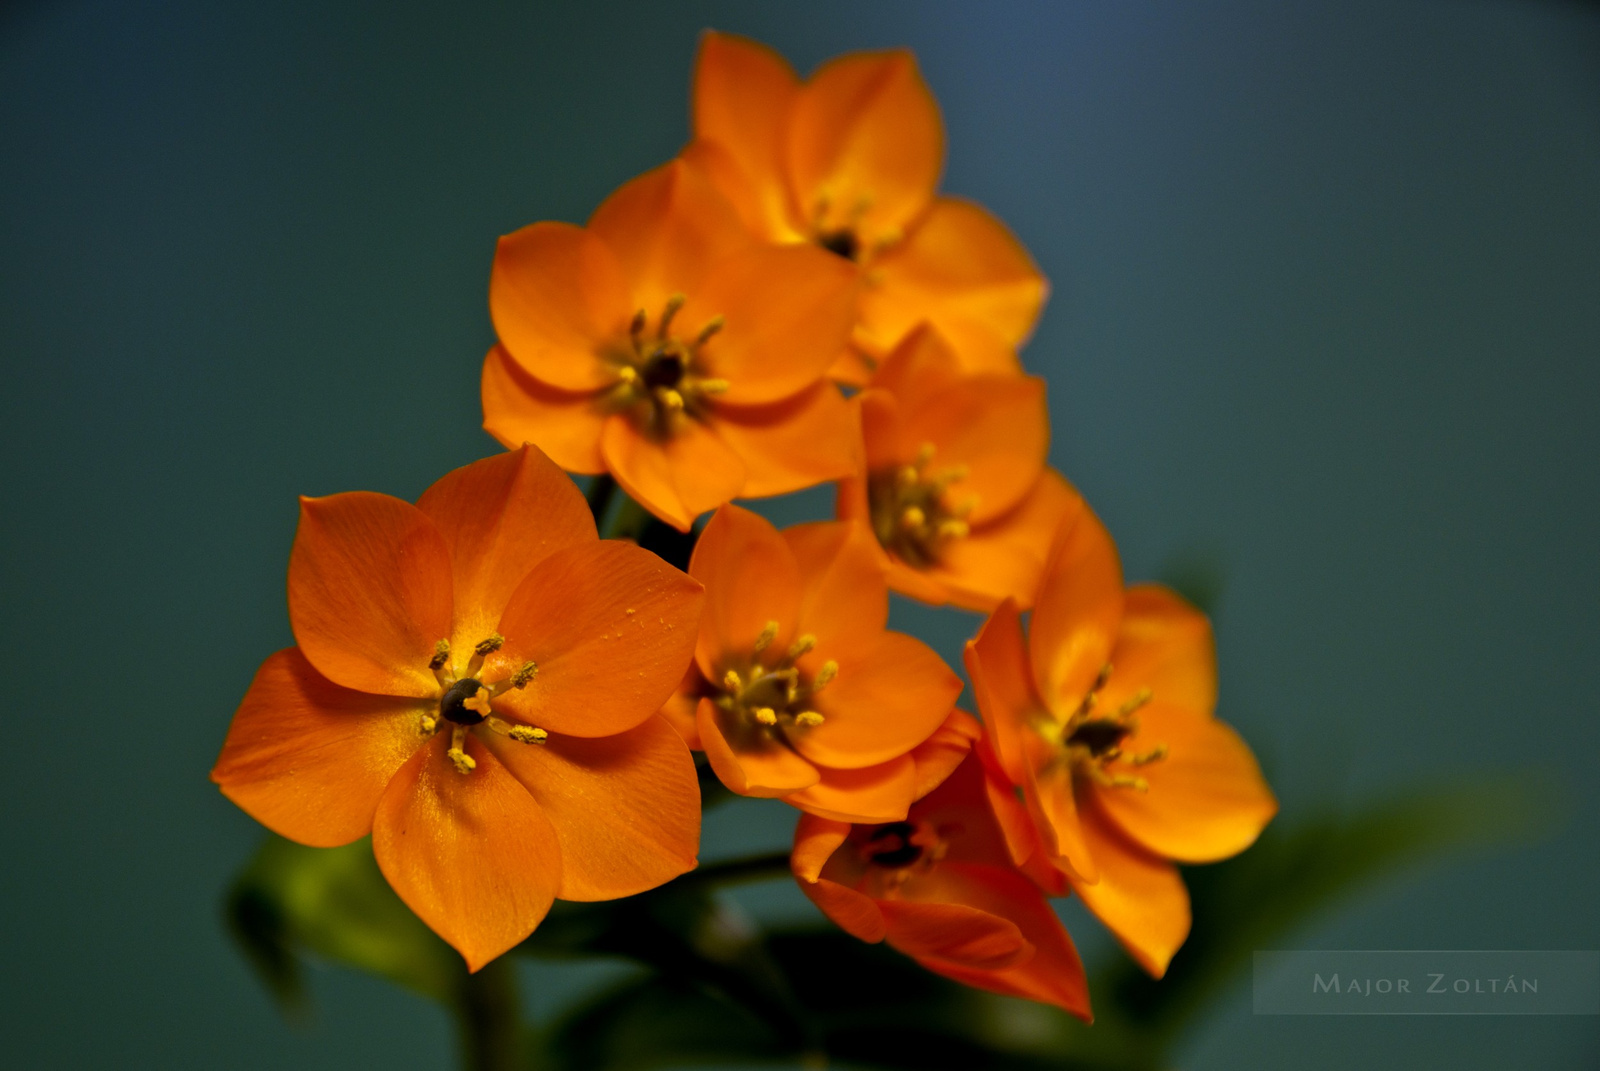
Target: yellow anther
(912,518)
(491,645)
(1155,754)
(800,646)
(829,670)
(713,386)
(769,632)
(953,474)
(428,725)
(674,303)
(965,507)
(524,674)
(953,529)
(479,702)
(636,325)
(907,477)
(732,682)
(808,718)
(765,715)
(1140,699)
(712,326)
(464,763)
(670,399)
(441,655)
(527,734)
(924,455)
(628,375)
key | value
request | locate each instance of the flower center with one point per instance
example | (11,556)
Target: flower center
(661,378)
(841,243)
(1091,740)
(771,695)
(912,514)
(899,851)
(464,701)
(891,846)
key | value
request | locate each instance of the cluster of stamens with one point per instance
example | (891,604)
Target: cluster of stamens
(912,513)
(464,701)
(773,696)
(660,376)
(1091,738)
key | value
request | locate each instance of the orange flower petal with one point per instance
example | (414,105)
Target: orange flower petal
(1139,897)
(866,145)
(1164,645)
(519,409)
(369,592)
(667,228)
(1076,616)
(1010,812)
(793,444)
(995,426)
(1005,559)
(881,793)
(309,759)
(921,367)
(815,841)
(787,313)
(961,269)
(1053,974)
(557,294)
(611,628)
(751,577)
(757,766)
(677,478)
(742,94)
(1207,799)
(889,697)
(1048,789)
(501,516)
(1002,682)
(472,854)
(626,808)
(844,602)
(679,709)
(938,756)
(954,933)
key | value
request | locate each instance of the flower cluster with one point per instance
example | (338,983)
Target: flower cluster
(509,705)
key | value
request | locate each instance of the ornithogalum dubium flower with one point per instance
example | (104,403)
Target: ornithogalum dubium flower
(952,478)
(940,887)
(1103,718)
(475,683)
(798,691)
(849,160)
(665,345)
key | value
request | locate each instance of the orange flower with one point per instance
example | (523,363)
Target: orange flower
(1103,717)
(941,888)
(475,685)
(665,345)
(798,691)
(849,161)
(952,478)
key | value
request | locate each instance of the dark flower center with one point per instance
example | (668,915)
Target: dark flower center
(890,846)
(1100,735)
(452,705)
(842,242)
(665,369)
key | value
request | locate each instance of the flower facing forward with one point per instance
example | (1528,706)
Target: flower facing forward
(849,161)
(941,887)
(665,345)
(952,478)
(476,684)
(798,691)
(1103,718)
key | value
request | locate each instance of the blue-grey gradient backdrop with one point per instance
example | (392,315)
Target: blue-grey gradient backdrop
(1327,306)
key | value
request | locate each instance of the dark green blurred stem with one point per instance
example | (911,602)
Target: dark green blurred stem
(630,521)
(737,871)
(601,490)
(489,1019)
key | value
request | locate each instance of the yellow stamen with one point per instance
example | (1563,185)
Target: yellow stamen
(800,646)
(712,326)
(713,386)
(628,376)
(636,326)
(952,529)
(670,399)
(765,715)
(829,670)
(464,763)
(1139,700)
(674,303)
(490,646)
(527,734)
(429,725)
(808,718)
(441,655)
(924,455)
(523,675)
(1155,754)
(769,632)
(912,518)
(732,682)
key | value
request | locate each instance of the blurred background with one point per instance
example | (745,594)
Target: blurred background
(1323,334)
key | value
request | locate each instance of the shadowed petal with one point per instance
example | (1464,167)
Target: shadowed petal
(1004,559)
(678,477)
(626,808)
(369,592)
(958,914)
(793,444)
(309,759)
(1002,682)
(519,409)
(472,854)
(751,764)
(881,793)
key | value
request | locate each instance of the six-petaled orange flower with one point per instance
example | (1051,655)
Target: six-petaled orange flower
(940,887)
(952,478)
(798,691)
(1103,717)
(662,343)
(849,161)
(476,684)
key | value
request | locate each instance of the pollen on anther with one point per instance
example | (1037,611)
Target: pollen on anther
(464,762)
(769,632)
(524,674)
(829,670)
(809,718)
(527,734)
(765,715)
(441,655)
(731,681)
(491,645)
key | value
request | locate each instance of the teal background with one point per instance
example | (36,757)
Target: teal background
(1326,312)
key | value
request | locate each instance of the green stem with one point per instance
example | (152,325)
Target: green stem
(601,490)
(630,522)
(488,1019)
